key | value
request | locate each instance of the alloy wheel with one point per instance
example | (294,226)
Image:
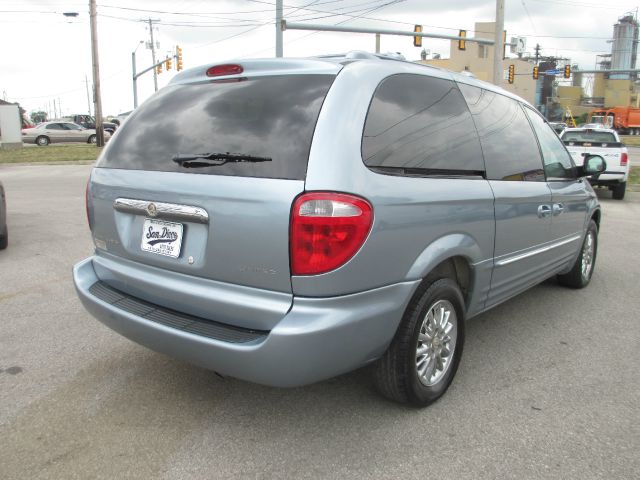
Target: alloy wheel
(436,342)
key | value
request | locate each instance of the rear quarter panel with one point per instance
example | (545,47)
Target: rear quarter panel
(418,222)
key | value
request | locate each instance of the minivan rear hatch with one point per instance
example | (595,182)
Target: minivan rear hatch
(201,178)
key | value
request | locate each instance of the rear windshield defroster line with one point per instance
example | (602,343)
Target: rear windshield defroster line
(270,117)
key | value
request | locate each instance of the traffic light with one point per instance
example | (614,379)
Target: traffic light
(159,68)
(567,71)
(178,58)
(512,73)
(462,44)
(417,41)
(168,63)
(535,72)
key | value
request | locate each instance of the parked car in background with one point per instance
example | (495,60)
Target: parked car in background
(605,142)
(58,132)
(119,120)
(88,121)
(284,221)
(4,230)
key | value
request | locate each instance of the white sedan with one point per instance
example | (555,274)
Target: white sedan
(56,132)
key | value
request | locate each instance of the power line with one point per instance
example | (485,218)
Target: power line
(67,92)
(233,36)
(184,24)
(194,14)
(315,33)
(586,5)
(529,15)
(255,22)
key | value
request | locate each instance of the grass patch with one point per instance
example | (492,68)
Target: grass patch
(51,153)
(634,176)
(631,140)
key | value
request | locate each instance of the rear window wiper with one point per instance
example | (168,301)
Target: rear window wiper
(196,160)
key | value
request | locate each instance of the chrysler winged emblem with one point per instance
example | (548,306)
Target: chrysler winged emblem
(152,210)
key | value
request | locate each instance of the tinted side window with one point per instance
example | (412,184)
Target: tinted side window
(54,126)
(508,143)
(557,161)
(420,122)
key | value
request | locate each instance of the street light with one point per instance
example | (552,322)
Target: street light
(97,100)
(135,78)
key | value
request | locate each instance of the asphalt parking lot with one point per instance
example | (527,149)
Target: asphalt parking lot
(548,387)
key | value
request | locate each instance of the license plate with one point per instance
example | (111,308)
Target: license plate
(163,238)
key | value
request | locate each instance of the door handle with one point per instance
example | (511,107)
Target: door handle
(544,211)
(558,208)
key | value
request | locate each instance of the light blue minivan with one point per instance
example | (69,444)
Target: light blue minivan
(284,221)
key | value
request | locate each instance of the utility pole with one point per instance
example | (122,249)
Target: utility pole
(153,53)
(377,43)
(278,29)
(97,99)
(86,84)
(498,44)
(135,80)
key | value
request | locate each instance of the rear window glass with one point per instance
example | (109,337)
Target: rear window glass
(589,136)
(269,117)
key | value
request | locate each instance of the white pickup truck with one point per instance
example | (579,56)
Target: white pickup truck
(604,142)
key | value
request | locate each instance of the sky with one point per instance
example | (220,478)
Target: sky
(47,56)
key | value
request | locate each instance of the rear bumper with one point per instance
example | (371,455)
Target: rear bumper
(609,178)
(317,339)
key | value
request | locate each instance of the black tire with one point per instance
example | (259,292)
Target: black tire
(576,278)
(42,141)
(618,190)
(92,139)
(396,373)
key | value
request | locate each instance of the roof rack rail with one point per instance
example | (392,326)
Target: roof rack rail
(362,55)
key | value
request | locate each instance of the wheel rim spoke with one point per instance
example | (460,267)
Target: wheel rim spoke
(436,342)
(587,255)
(422,350)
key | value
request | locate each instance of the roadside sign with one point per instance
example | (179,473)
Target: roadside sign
(518,45)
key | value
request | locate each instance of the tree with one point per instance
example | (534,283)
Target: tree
(38,117)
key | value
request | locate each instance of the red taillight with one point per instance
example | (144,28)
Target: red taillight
(624,159)
(327,229)
(228,69)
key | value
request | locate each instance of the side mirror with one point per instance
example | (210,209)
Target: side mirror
(593,165)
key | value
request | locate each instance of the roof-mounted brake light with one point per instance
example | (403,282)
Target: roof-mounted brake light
(227,69)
